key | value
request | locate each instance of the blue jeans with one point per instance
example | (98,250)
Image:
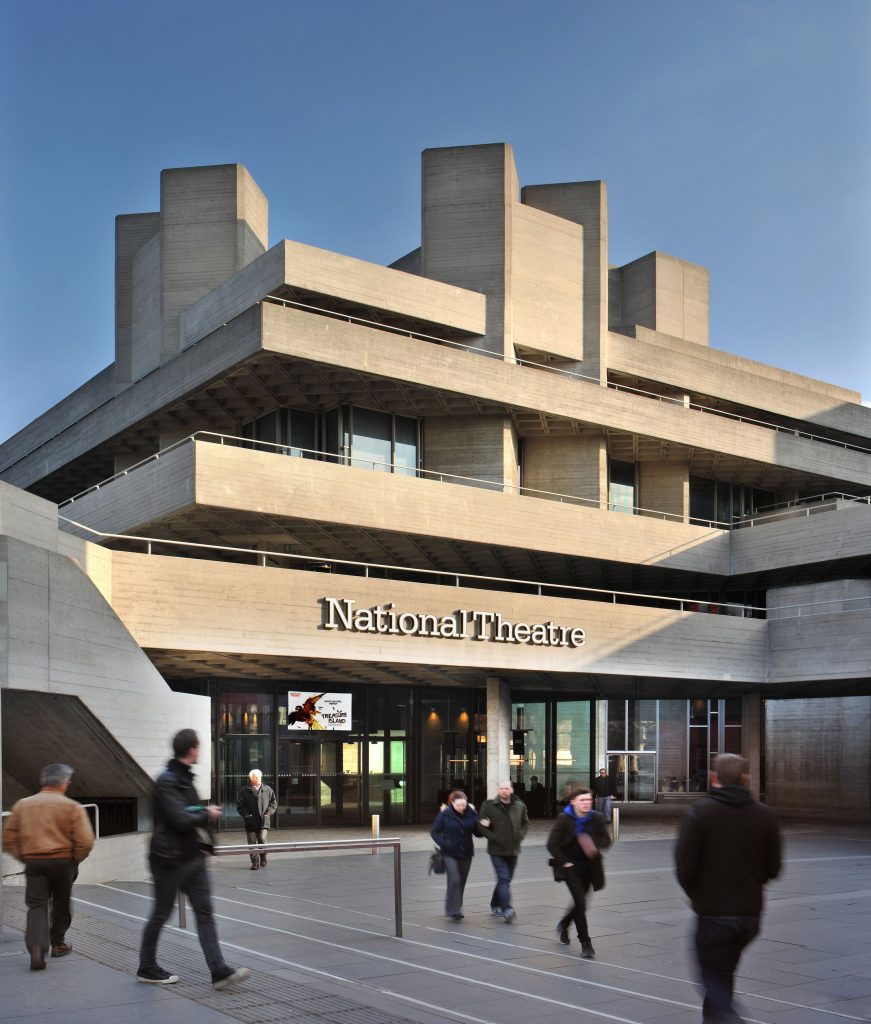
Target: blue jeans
(193,880)
(504,868)
(603,804)
(719,943)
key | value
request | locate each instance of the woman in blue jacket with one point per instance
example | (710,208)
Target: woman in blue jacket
(452,833)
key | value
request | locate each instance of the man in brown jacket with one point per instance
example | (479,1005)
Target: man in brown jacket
(52,835)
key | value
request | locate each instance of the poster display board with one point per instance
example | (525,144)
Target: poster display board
(318,711)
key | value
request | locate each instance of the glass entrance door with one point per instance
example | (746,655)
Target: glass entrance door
(339,783)
(298,780)
(634,776)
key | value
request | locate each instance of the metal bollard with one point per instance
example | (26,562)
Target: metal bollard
(615,822)
(376,831)
(182,911)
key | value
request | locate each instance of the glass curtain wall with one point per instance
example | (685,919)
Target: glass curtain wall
(551,745)
(367,438)
(319,777)
(621,486)
(244,741)
(453,753)
(689,734)
(632,731)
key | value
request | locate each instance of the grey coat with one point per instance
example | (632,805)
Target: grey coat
(256,808)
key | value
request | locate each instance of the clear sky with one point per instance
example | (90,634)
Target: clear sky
(734,133)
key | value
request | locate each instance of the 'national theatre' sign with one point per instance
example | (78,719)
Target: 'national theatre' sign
(341,613)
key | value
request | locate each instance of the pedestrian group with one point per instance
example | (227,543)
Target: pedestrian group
(727,850)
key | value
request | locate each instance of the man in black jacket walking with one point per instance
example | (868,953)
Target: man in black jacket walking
(728,848)
(178,863)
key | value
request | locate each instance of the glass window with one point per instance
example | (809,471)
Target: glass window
(616,725)
(672,747)
(572,746)
(405,454)
(529,755)
(724,502)
(642,725)
(621,487)
(371,440)
(331,431)
(302,433)
(703,506)
(245,725)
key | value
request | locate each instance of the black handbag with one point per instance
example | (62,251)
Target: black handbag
(436,863)
(559,872)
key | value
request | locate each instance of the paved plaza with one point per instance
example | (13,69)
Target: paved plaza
(317,932)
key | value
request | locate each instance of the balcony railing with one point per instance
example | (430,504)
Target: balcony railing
(757,517)
(437,577)
(571,374)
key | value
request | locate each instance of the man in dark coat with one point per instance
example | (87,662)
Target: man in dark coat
(728,848)
(256,803)
(178,863)
(504,822)
(604,792)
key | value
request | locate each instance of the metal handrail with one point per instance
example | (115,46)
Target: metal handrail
(398,470)
(96,819)
(681,604)
(299,847)
(572,374)
(736,523)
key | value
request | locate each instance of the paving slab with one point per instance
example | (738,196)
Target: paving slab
(317,931)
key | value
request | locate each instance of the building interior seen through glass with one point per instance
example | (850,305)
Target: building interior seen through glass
(550,751)
(367,438)
(319,776)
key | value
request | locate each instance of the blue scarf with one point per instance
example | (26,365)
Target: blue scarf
(580,822)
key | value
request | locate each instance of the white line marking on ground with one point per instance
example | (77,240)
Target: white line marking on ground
(259,954)
(503,989)
(514,966)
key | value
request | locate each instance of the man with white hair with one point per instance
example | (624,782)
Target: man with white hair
(256,804)
(504,821)
(52,835)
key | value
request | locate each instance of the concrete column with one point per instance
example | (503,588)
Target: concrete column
(498,732)
(751,737)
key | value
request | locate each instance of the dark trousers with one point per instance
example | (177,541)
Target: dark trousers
(47,895)
(577,912)
(257,837)
(504,868)
(719,943)
(456,872)
(192,879)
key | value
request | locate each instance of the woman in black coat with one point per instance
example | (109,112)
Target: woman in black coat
(575,844)
(452,833)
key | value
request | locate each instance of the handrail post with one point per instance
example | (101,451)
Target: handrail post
(397,890)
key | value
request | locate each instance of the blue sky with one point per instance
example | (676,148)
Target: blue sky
(732,133)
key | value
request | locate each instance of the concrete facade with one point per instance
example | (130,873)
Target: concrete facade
(498,423)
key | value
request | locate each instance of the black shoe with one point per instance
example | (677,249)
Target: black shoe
(262,861)
(155,976)
(255,867)
(562,934)
(37,958)
(64,949)
(456,917)
(228,976)
(587,951)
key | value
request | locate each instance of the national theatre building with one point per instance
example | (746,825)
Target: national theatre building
(386,531)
